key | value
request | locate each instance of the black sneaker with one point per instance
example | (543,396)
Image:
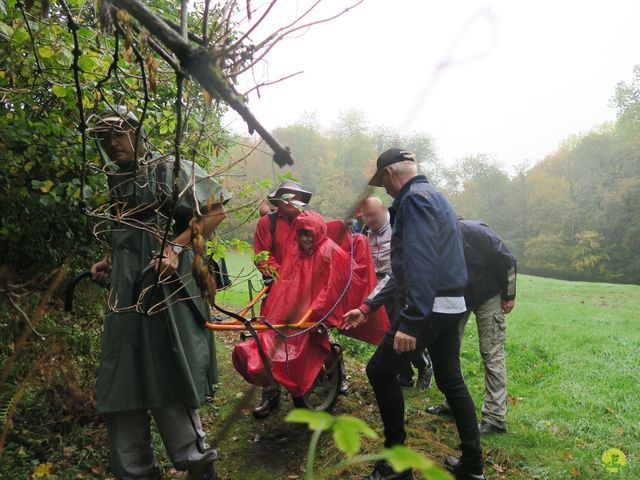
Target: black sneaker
(424,378)
(383,471)
(442,409)
(455,466)
(344,388)
(488,428)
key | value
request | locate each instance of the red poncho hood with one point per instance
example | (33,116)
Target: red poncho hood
(314,223)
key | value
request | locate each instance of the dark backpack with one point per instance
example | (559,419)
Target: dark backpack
(273,218)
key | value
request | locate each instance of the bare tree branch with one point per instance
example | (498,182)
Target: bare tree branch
(200,64)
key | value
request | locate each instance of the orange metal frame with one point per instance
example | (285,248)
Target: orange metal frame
(233,324)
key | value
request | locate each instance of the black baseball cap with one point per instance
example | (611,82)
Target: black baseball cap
(389,157)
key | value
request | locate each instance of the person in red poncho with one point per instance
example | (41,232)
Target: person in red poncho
(318,277)
(274,231)
(275,234)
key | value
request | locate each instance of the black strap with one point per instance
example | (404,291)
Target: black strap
(273,218)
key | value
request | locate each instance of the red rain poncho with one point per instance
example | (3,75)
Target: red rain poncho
(313,282)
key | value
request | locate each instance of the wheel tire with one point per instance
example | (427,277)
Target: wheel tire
(324,393)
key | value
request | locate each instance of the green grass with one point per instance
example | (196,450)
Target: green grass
(573,359)
(241,271)
(573,352)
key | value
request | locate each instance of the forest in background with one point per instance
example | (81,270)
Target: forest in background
(571,215)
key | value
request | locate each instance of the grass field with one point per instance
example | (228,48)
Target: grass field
(573,358)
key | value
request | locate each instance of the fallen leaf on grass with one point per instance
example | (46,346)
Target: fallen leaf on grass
(574,472)
(97,469)
(568,455)
(43,470)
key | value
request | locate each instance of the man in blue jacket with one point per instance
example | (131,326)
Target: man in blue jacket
(427,287)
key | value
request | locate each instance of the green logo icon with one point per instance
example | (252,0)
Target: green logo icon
(614,460)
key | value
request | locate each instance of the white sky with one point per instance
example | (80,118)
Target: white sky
(550,73)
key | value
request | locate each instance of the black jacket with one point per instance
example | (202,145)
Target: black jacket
(490,265)
(427,259)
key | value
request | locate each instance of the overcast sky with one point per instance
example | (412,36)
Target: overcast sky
(547,69)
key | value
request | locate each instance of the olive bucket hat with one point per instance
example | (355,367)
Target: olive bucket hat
(289,187)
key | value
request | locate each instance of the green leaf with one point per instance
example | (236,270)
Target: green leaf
(5,30)
(347,439)
(261,256)
(346,433)
(19,37)
(47,200)
(401,458)
(87,63)
(59,91)
(88,191)
(46,186)
(312,418)
(46,52)
(355,423)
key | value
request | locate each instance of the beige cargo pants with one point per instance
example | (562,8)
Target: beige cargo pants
(492,329)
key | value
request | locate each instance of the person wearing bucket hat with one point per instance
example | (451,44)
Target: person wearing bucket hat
(275,234)
(114,130)
(160,364)
(427,288)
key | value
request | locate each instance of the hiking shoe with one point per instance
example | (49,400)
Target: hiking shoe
(488,428)
(455,466)
(442,409)
(383,471)
(425,377)
(268,403)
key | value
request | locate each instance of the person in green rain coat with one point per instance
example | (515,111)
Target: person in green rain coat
(160,365)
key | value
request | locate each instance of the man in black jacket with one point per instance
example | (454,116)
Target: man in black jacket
(490,294)
(427,287)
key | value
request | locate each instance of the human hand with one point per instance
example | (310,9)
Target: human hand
(403,343)
(101,272)
(352,319)
(168,264)
(507,306)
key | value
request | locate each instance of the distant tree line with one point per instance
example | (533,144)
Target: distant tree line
(572,215)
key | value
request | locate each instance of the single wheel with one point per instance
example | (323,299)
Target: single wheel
(325,390)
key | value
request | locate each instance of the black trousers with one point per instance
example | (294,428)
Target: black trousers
(441,337)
